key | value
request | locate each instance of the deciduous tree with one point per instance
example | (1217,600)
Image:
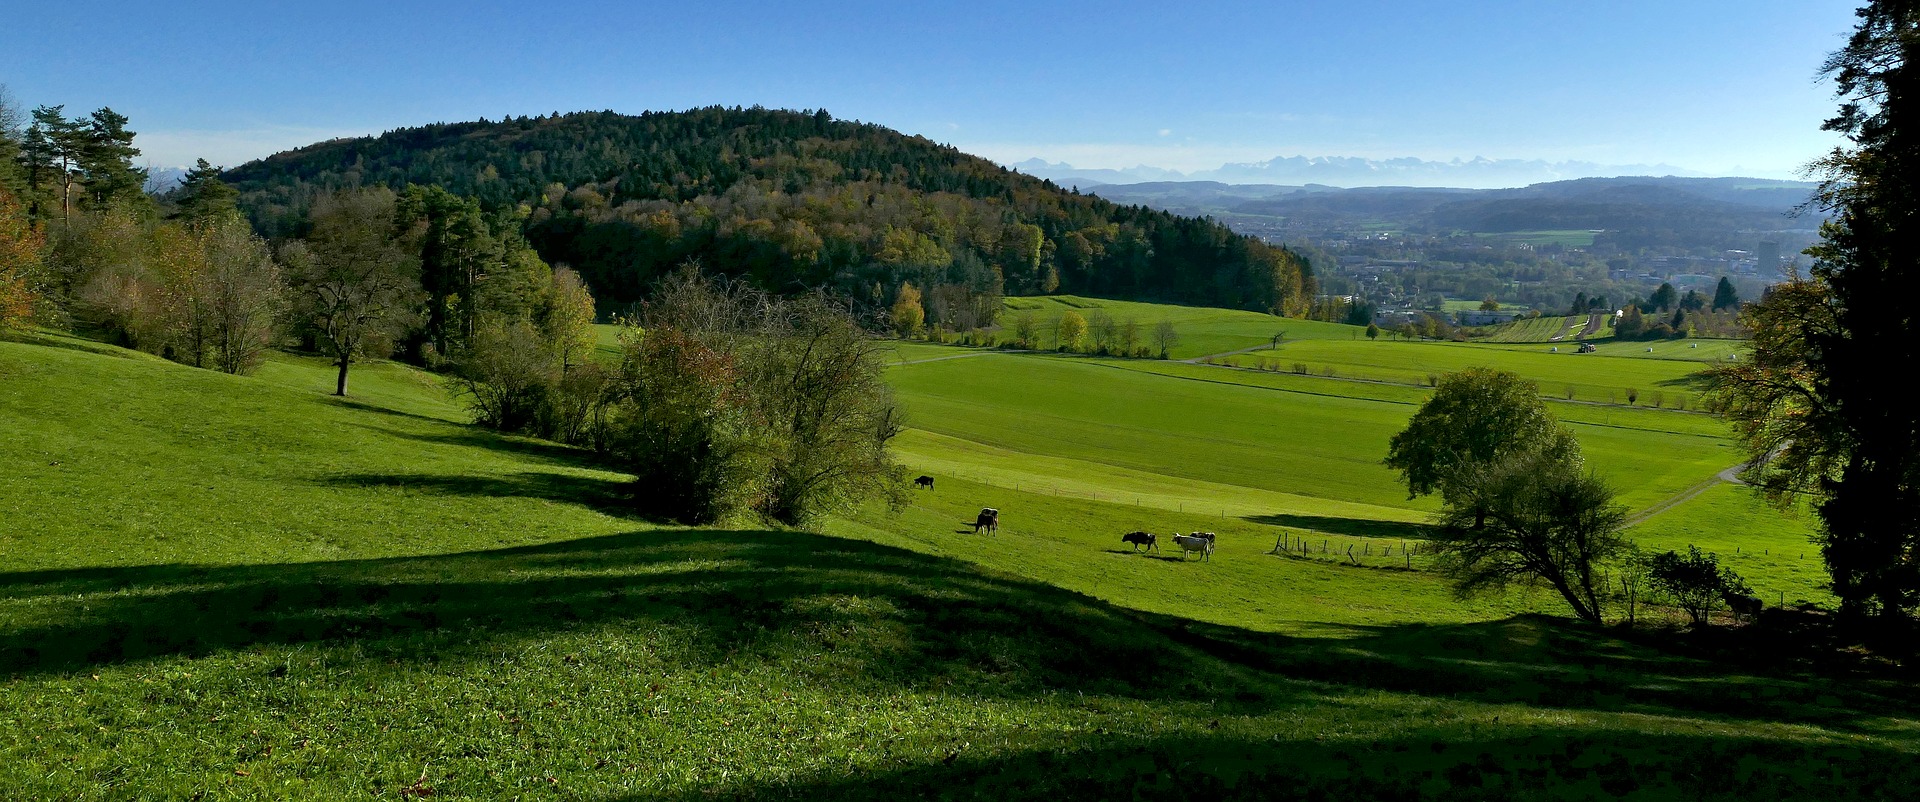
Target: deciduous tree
(356,283)
(1534,518)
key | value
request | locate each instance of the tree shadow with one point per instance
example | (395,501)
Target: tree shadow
(470,436)
(1441,762)
(601,495)
(782,595)
(1353,527)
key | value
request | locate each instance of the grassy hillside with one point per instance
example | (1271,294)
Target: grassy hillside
(241,588)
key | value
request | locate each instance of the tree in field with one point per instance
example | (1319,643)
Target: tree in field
(567,320)
(1070,329)
(680,425)
(1127,337)
(1725,297)
(730,400)
(244,294)
(1373,331)
(1816,406)
(1026,329)
(20,264)
(356,284)
(507,374)
(1166,338)
(1531,519)
(1696,582)
(907,314)
(1475,421)
(822,412)
(1489,305)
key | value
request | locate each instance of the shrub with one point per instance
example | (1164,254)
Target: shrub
(1696,582)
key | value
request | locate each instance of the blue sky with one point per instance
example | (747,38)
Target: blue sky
(1719,87)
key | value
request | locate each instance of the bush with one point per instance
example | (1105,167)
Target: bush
(1696,582)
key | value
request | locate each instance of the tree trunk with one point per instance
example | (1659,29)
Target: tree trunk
(341,388)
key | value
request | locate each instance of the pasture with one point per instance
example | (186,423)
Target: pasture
(1605,376)
(242,588)
(1202,331)
(1544,329)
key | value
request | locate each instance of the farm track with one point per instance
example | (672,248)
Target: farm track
(1728,476)
(1202,359)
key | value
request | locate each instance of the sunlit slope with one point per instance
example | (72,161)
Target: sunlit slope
(1200,330)
(1317,446)
(115,458)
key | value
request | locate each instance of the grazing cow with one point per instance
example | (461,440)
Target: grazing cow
(1194,543)
(1744,607)
(924,481)
(988,519)
(1139,539)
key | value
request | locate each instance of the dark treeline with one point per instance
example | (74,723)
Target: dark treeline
(787,200)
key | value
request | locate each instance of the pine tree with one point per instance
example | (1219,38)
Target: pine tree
(1724,296)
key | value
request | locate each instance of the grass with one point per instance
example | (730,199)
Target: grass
(241,588)
(1317,446)
(1202,331)
(1604,376)
(1537,330)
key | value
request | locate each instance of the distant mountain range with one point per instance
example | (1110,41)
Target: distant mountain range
(1346,171)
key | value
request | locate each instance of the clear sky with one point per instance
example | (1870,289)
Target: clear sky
(1723,87)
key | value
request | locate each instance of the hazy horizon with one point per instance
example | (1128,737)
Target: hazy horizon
(1718,88)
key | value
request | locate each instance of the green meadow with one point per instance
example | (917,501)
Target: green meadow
(242,588)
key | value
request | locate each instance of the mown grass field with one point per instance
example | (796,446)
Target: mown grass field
(1202,331)
(244,589)
(1544,329)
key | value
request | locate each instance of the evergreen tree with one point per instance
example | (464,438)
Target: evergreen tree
(1819,405)
(203,196)
(1724,296)
(106,157)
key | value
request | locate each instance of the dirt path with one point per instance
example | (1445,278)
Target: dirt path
(1224,354)
(1728,476)
(955,356)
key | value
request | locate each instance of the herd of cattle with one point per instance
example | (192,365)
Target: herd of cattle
(1200,543)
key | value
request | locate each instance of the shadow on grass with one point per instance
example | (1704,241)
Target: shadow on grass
(470,436)
(785,595)
(1444,763)
(606,497)
(1352,527)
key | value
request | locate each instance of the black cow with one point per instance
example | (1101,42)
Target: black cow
(1744,607)
(989,519)
(1139,539)
(924,481)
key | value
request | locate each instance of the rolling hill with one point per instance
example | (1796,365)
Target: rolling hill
(791,200)
(244,588)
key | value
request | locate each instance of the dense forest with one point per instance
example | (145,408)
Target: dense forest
(788,200)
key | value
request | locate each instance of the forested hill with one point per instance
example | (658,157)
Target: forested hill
(790,200)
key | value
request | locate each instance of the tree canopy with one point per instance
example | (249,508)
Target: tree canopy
(788,200)
(1475,418)
(1819,407)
